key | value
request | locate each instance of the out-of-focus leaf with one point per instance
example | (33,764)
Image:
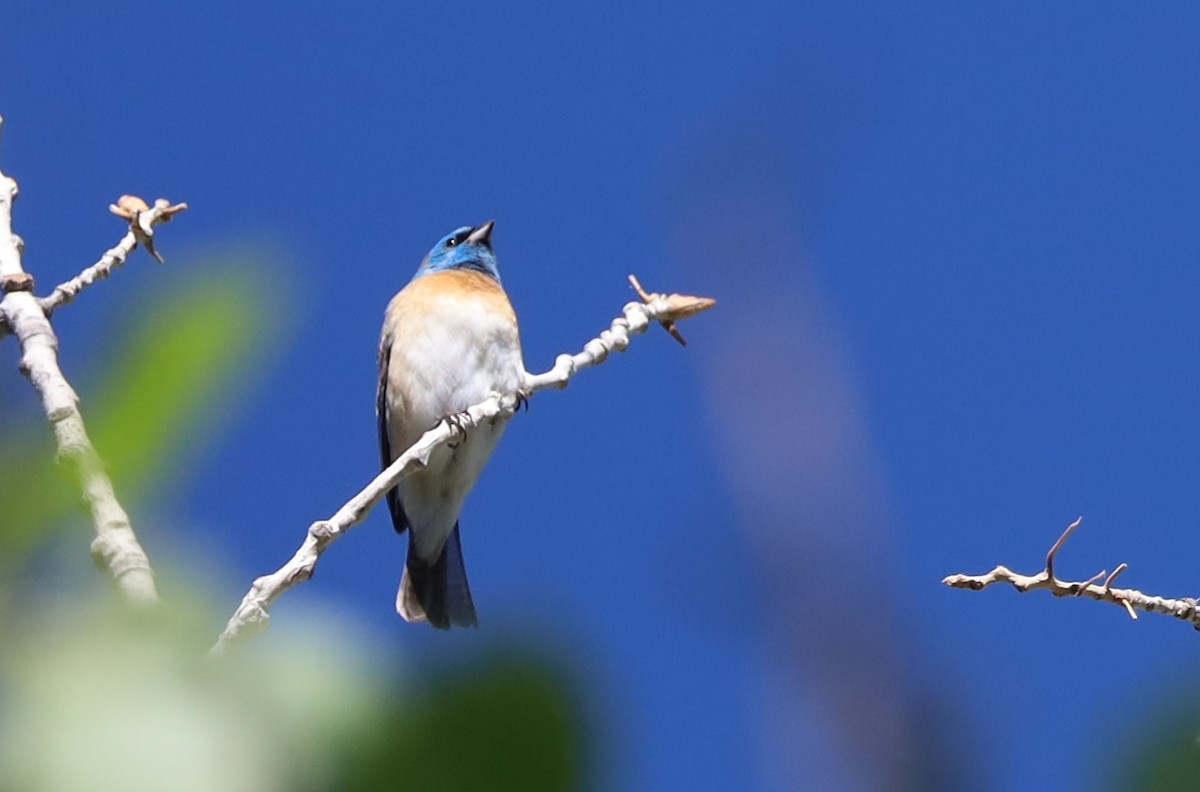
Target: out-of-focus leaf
(32,493)
(169,376)
(508,723)
(1165,756)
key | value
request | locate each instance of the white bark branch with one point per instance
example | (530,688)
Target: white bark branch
(115,546)
(1097,587)
(142,219)
(253,612)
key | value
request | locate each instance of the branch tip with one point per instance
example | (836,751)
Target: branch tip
(1121,567)
(1058,546)
(127,207)
(142,218)
(675,306)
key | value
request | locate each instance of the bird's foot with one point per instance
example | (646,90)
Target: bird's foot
(458,429)
(522,400)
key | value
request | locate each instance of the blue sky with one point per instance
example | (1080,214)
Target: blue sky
(955,250)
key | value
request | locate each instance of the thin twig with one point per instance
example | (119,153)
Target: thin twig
(1131,600)
(142,219)
(1093,579)
(115,546)
(1058,545)
(252,613)
(1121,567)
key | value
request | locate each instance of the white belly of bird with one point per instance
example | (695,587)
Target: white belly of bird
(450,365)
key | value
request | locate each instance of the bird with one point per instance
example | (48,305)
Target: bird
(450,340)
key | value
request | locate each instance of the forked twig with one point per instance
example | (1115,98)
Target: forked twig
(1131,600)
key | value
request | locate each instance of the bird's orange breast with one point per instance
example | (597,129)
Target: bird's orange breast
(425,294)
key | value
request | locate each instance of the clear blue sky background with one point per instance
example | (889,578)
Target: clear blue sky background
(956,250)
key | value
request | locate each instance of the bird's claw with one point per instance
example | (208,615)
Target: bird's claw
(522,401)
(457,423)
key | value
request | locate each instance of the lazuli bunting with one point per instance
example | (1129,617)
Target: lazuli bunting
(449,340)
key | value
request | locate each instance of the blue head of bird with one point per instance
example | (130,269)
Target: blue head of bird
(465,248)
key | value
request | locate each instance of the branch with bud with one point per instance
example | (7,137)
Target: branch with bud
(115,546)
(141,218)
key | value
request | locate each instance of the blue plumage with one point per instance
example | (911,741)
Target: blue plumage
(464,248)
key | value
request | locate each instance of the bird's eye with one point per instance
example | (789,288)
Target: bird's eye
(451,242)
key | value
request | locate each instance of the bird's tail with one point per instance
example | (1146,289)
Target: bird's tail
(437,593)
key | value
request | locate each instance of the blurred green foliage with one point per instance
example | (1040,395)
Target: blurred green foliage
(186,353)
(32,492)
(503,723)
(95,697)
(1164,755)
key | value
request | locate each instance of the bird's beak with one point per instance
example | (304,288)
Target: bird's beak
(483,233)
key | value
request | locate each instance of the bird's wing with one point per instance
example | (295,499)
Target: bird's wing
(399,518)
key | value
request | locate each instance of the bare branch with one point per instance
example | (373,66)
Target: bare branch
(115,546)
(142,219)
(252,613)
(1131,600)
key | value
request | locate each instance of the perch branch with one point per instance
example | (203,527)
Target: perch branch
(252,613)
(1131,600)
(115,546)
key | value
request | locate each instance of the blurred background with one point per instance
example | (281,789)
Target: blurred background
(955,255)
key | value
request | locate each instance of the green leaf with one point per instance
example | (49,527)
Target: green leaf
(508,723)
(182,362)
